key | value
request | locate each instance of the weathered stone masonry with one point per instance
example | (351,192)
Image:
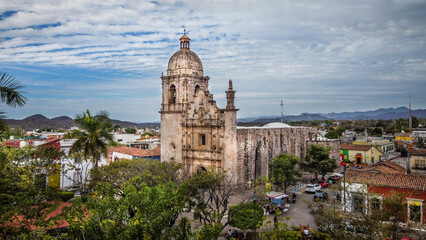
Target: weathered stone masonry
(200,135)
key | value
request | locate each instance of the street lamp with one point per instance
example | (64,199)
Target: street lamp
(344,188)
(254,198)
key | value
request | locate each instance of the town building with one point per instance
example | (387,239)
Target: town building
(384,146)
(360,155)
(123,152)
(365,191)
(417,161)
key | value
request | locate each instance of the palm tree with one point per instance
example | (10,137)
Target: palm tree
(93,140)
(9,94)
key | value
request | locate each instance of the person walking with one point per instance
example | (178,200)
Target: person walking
(275,222)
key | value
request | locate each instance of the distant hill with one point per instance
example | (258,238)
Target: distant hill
(382,113)
(39,121)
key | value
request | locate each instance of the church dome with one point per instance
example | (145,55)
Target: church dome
(185,61)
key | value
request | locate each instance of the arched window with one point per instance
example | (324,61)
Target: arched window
(201,170)
(196,89)
(172,94)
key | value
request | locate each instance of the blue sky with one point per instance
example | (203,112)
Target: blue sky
(317,56)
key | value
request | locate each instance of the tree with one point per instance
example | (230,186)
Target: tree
(136,198)
(377,132)
(25,199)
(246,216)
(208,195)
(284,170)
(136,171)
(331,134)
(9,91)
(130,130)
(93,140)
(318,161)
(9,94)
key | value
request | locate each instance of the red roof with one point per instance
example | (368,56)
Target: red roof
(355,147)
(418,152)
(16,223)
(136,151)
(405,181)
(385,167)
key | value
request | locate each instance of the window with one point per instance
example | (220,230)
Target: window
(415,211)
(172,94)
(375,205)
(419,164)
(358,202)
(202,140)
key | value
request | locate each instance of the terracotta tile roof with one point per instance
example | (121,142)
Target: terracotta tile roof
(418,152)
(135,151)
(405,181)
(355,147)
(385,167)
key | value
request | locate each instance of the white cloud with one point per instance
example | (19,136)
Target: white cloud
(273,50)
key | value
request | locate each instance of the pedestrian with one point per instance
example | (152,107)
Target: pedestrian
(229,234)
(275,222)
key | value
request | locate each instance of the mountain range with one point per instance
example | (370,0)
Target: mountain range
(39,121)
(382,113)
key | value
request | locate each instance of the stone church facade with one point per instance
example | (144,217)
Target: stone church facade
(198,134)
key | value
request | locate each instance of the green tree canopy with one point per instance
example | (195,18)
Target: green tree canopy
(331,134)
(130,130)
(246,216)
(93,140)
(318,160)
(284,171)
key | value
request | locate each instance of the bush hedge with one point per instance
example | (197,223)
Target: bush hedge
(66,196)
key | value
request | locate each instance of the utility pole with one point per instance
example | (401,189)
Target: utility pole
(282,111)
(410,121)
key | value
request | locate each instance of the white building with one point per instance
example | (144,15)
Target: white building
(74,170)
(126,138)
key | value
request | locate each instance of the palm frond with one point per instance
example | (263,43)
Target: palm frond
(9,93)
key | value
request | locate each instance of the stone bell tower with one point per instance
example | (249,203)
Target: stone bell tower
(194,131)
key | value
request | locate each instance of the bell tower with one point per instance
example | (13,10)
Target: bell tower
(194,131)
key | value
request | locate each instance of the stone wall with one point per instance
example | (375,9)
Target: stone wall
(257,147)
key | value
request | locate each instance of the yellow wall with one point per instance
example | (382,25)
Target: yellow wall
(366,155)
(54,176)
(402,138)
(413,158)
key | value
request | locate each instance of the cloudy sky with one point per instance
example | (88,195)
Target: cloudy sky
(316,56)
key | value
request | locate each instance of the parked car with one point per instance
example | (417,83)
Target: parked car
(334,178)
(320,195)
(323,184)
(312,188)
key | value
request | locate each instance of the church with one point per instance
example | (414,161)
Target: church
(198,134)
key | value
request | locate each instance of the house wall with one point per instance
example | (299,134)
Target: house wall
(126,138)
(366,155)
(418,163)
(408,195)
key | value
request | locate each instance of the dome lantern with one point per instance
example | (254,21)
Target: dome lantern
(184,41)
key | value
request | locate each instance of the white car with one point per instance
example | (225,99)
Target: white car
(312,188)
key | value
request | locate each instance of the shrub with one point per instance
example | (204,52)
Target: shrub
(66,196)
